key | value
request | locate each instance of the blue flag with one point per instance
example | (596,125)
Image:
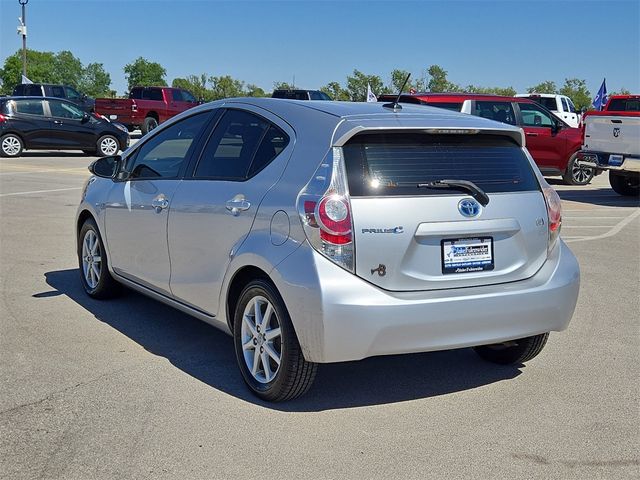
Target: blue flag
(600,99)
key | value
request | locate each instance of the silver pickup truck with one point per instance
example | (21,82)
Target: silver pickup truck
(612,142)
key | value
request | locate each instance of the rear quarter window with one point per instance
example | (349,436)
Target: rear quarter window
(394,164)
(624,105)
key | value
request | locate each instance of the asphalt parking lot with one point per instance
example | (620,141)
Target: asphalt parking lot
(133,389)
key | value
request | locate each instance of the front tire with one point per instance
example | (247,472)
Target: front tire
(11,145)
(107,146)
(92,258)
(515,352)
(149,124)
(627,185)
(267,349)
(576,174)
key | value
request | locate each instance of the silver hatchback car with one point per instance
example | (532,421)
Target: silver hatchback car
(318,232)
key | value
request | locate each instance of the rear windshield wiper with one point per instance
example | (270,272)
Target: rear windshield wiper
(475,191)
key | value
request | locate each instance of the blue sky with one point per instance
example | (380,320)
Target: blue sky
(486,43)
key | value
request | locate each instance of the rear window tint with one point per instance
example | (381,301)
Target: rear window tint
(455,106)
(624,105)
(394,164)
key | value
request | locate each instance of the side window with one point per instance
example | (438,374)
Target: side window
(177,95)
(565,105)
(498,111)
(19,90)
(163,154)
(187,97)
(136,93)
(315,95)
(152,94)
(57,92)
(72,94)
(65,110)
(232,146)
(33,91)
(273,142)
(534,116)
(29,107)
(572,107)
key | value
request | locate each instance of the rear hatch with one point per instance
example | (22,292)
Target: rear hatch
(409,237)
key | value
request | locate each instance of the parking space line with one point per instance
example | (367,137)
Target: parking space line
(39,191)
(613,231)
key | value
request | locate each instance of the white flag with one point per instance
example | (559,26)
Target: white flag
(26,80)
(370,95)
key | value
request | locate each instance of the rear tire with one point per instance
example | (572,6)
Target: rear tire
(627,185)
(107,145)
(11,145)
(92,258)
(149,124)
(267,349)
(575,174)
(515,352)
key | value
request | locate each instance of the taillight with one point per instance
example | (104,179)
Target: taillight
(134,107)
(2,118)
(325,211)
(554,213)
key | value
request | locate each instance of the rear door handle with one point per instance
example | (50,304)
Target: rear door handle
(238,204)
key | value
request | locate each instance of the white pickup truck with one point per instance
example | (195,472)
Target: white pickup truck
(612,142)
(560,105)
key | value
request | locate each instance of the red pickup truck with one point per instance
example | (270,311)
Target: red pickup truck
(146,107)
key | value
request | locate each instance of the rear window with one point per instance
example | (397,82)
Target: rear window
(455,106)
(146,94)
(624,105)
(291,94)
(547,102)
(394,164)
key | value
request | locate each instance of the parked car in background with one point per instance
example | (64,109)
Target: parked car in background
(560,105)
(552,143)
(59,91)
(300,94)
(333,233)
(146,107)
(612,142)
(54,124)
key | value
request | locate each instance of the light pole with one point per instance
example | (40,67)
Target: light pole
(22,30)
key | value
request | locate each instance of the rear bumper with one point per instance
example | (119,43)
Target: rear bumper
(600,160)
(340,317)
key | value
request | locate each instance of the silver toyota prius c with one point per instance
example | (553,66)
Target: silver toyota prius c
(318,232)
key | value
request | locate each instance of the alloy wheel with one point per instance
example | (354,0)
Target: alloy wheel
(91,259)
(261,339)
(109,146)
(11,146)
(580,174)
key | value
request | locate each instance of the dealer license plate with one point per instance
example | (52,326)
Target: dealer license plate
(464,255)
(615,160)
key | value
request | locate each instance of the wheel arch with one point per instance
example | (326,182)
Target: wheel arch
(153,114)
(83,216)
(239,280)
(17,134)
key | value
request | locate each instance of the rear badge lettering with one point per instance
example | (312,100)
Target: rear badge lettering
(383,230)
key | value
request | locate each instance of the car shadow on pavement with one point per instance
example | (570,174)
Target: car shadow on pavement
(206,354)
(51,154)
(604,197)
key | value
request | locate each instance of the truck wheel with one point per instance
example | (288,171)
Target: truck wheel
(517,351)
(149,124)
(130,128)
(625,184)
(11,145)
(576,174)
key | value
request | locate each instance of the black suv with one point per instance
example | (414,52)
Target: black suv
(46,123)
(301,94)
(59,91)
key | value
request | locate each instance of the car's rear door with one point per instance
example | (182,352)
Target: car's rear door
(547,148)
(29,120)
(137,209)
(214,208)
(410,237)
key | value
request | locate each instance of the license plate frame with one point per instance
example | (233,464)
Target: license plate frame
(453,261)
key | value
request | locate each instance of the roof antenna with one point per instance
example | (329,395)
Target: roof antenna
(396,105)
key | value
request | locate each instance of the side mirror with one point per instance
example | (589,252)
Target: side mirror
(84,96)
(556,127)
(85,117)
(106,167)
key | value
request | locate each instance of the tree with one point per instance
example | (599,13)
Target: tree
(95,81)
(40,69)
(143,73)
(438,81)
(577,91)
(506,91)
(336,92)
(397,79)
(282,86)
(544,87)
(357,86)
(226,87)
(622,91)
(67,69)
(255,91)
(196,84)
